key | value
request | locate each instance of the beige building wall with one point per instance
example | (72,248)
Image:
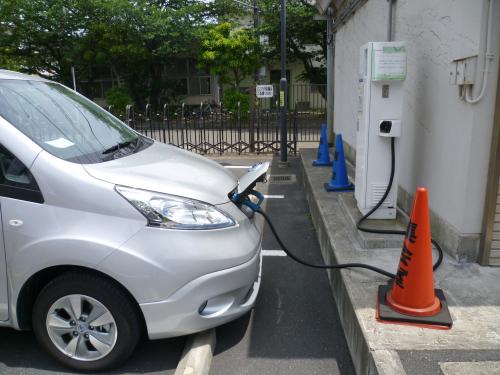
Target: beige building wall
(445,141)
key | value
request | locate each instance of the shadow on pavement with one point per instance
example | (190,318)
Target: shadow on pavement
(21,354)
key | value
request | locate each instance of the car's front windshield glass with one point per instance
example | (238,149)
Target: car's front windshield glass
(64,123)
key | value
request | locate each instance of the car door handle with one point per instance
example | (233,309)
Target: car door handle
(16,222)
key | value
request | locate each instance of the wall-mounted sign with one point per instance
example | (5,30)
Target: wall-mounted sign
(389,62)
(264,91)
(282,98)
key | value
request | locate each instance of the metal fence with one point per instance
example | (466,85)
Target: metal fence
(206,129)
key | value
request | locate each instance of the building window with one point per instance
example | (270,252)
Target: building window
(189,79)
(205,85)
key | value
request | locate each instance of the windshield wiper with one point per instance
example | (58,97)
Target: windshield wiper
(117,147)
(138,145)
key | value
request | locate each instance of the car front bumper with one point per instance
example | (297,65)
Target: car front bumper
(205,302)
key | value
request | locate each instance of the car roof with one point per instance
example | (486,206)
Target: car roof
(8,74)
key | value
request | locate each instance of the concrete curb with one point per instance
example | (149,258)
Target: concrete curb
(376,348)
(198,353)
(358,346)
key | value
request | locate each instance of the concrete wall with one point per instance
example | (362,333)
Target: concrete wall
(445,141)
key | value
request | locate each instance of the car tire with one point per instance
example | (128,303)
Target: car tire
(104,334)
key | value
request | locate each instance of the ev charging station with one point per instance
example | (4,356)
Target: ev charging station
(380,103)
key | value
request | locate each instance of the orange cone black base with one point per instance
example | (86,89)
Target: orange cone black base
(441,320)
(411,298)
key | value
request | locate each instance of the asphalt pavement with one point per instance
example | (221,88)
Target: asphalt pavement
(20,354)
(294,328)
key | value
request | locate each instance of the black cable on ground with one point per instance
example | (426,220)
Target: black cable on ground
(382,200)
(322,266)
(361,228)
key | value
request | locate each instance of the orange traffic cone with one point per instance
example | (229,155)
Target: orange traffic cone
(412,298)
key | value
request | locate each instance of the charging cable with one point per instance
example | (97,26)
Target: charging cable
(316,265)
(256,208)
(382,200)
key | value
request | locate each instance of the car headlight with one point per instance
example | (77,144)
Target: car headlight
(173,212)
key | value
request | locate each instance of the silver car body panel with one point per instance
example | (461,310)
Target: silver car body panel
(4,298)
(231,292)
(84,222)
(12,139)
(168,169)
(154,264)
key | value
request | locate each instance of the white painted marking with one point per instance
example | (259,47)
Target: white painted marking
(237,166)
(274,196)
(273,253)
(465,368)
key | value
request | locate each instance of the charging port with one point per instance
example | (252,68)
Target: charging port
(385,126)
(390,128)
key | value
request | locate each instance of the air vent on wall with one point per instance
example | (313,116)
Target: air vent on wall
(378,191)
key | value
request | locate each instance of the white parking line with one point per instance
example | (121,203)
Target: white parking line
(274,196)
(273,253)
(237,166)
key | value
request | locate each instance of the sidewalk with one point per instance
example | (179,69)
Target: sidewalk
(472,291)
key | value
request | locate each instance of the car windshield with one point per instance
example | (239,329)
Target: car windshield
(66,124)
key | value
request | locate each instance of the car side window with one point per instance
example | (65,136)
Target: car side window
(16,181)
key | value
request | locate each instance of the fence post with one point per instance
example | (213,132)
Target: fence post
(129,113)
(182,126)
(295,131)
(239,127)
(203,132)
(147,115)
(255,106)
(219,133)
(165,124)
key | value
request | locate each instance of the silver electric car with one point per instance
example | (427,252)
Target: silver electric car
(107,234)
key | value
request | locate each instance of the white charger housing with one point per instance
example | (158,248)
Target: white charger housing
(380,103)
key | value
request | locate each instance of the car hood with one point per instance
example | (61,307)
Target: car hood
(168,169)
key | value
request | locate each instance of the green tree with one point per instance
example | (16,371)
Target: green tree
(38,36)
(306,38)
(232,54)
(303,34)
(134,40)
(118,98)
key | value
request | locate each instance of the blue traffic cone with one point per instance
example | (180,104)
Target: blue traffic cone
(339,181)
(323,151)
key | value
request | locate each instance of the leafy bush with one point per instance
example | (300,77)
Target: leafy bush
(231,99)
(119,98)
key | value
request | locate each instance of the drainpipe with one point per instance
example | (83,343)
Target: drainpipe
(488,56)
(389,20)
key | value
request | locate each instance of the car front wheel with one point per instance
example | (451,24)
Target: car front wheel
(86,322)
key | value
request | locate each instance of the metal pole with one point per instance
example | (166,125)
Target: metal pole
(253,96)
(256,14)
(283,89)
(389,21)
(73,76)
(329,74)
